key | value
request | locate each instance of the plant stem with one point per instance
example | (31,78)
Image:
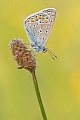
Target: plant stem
(39,96)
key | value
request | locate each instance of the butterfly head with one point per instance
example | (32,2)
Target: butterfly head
(44,50)
(38,49)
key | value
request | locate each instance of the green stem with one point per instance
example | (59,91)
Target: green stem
(39,96)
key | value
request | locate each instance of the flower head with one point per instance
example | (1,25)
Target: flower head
(22,55)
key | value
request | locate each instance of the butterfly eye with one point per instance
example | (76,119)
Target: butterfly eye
(44,50)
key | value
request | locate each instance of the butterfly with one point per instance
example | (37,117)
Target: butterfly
(38,27)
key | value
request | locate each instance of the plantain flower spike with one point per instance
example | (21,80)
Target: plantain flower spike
(23,56)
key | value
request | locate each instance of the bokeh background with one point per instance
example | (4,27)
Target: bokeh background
(59,80)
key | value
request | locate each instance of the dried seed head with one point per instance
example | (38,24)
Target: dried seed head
(23,56)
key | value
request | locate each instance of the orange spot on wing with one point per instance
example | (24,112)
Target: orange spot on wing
(32,20)
(46,20)
(42,17)
(36,18)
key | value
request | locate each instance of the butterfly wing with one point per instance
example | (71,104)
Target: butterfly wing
(51,13)
(38,27)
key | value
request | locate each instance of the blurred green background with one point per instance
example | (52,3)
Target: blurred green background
(59,80)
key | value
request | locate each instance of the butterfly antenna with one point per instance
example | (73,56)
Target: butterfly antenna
(51,54)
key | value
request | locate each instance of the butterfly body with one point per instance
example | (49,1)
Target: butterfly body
(38,27)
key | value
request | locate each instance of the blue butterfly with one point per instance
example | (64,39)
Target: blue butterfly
(38,27)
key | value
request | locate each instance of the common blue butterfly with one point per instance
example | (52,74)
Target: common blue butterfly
(38,27)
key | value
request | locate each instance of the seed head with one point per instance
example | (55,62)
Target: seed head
(23,56)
